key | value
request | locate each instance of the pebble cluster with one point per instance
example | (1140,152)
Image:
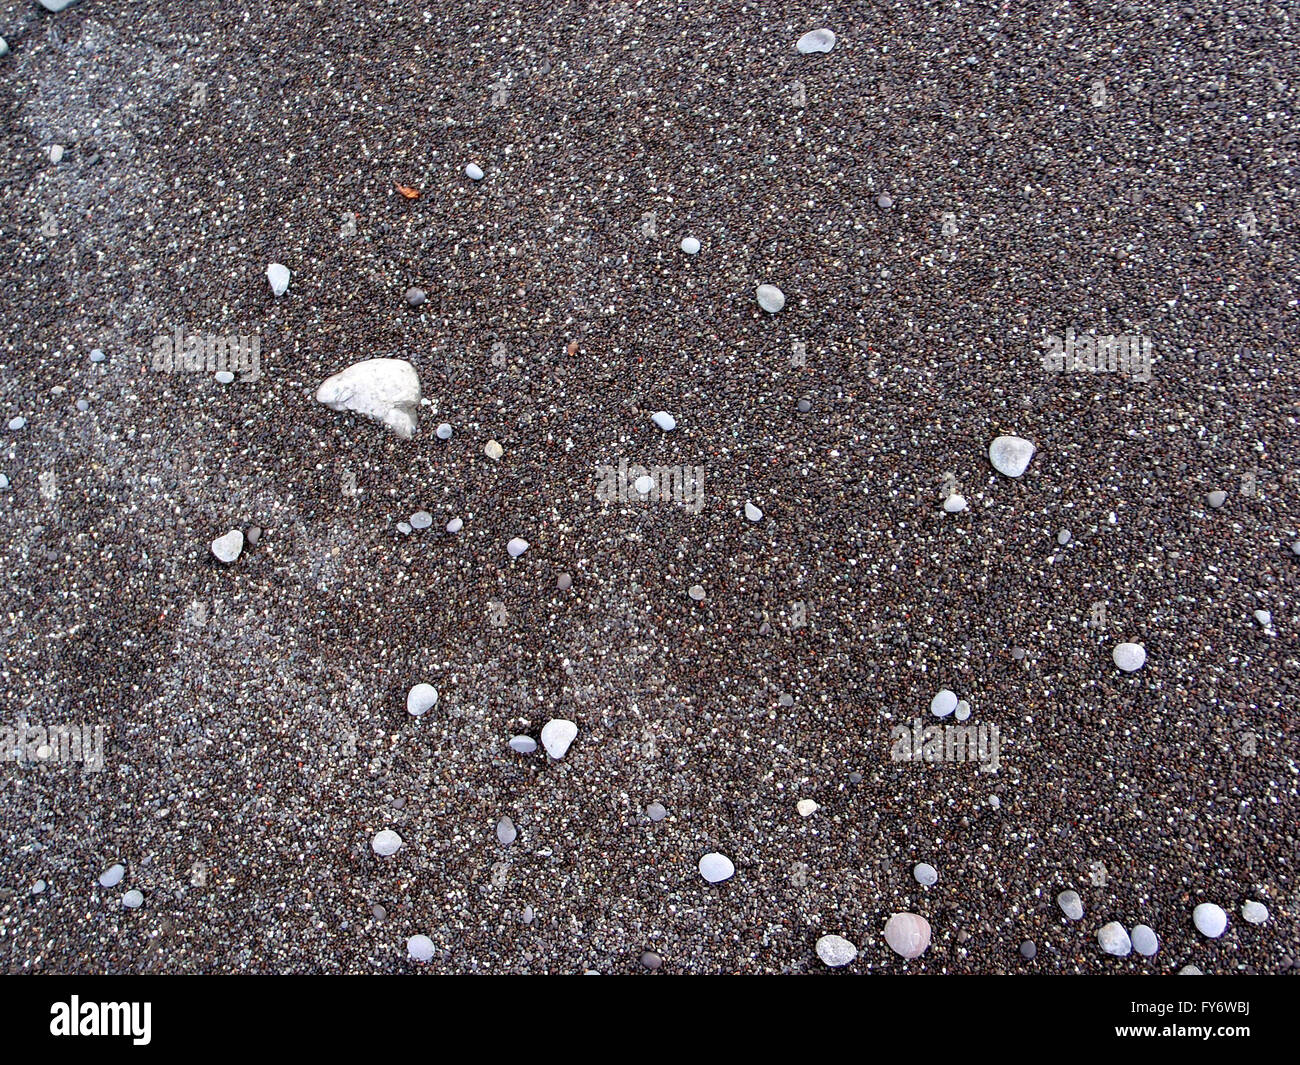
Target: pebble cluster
(388,686)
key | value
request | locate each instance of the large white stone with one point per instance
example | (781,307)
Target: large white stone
(1113,939)
(770,298)
(1129,656)
(387,390)
(1010,455)
(1210,920)
(419,949)
(228,547)
(715,867)
(836,951)
(421,699)
(386,843)
(557,735)
(277,274)
(816,41)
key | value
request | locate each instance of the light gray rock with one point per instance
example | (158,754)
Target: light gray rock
(753,513)
(386,843)
(1190,970)
(954,504)
(57,5)
(836,951)
(1210,920)
(444,431)
(1071,905)
(1010,455)
(907,934)
(1129,657)
(816,41)
(112,876)
(506,832)
(926,875)
(557,735)
(656,811)
(770,298)
(523,744)
(1254,912)
(419,949)
(474,172)
(421,519)
(1113,939)
(1145,941)
(133,899)
(517,547)
(691,246)
(277,275)
(227,548)
(385,390)
(664,420)
(944,703)
(1217,498)
(1264,618)
(97,355)
(455,525)
(715,867)
(421,699)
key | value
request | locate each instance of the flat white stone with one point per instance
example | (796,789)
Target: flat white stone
(836,951)
(954,504)
(1210,920)
(925,874)
(133,899)
(944,703)
(386,842)
(691,246)
(1129,656)
(455,525)
(1145,941)
(1254,912)
(644,484)
(664,420)
(493,450)
(419,949)
(963,710)
(715,867)
(770,298)
(112,876)
(1010,455)
(421,699)
(278,276)
(753,513)
(517,546)
(806,807)
(474,172)
(816,41)
(557,735)
(227,548)
(1113,939)
(523,744)
(1264,618)
(1071,905)
(385,390)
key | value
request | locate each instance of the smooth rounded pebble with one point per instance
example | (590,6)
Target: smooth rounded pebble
(644,484)
(493,450)
(836,951)
(1063,537)
(227,548)
(696,592)
(1254,912)
(963,710)
(884,201)
(1145,941)
(770,298)
(416,296)
(421,519)
(1129,657)
(753,513)
(557,735)
(419,949)
(656,811)
(443,432)
(386,842)
(564,582)
(506,832)
(1010,455)
(421,699)
(473,171)
(517,546)
(1217,498)
(403,528)
(1190,970)
(133,899)
(954,504)
(816,41)
(664,420)
(112,876)
(1210,920)
(1071,905)
(926,875)
(1264,618)
(97,355)
(650,960)
(715,867)
(907,934)
(224,377)
(1028,950)
(806,807)
(944,703)
(691,246)
(1113,939)
(455,525)
(523,744)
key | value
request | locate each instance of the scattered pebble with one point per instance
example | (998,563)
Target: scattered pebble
(419,949)
(954,504)
(1010,455)
(656,811)
(1129,656)
(1254,912)
(1028,950)
(455,525)
(17,423)
(224,377)
(1217,498)
(753,513)
(564,582)
(643,484)
(664,420)
(278,276)
(1264,618)
(926,875)
(228,548)
(56,153)
(1210,920)
(696,592)
(1190,970)
(816,41)
(506,832)
(963,710)
(493,450)
(557,735)
(523,744)
(416,296)
(907,934)
(133,899)
(112,876)
(517,546)
(97,355)
(421,699)
(944,703)
(403,528)
(804,405)
(443,432)
(691,246)
(421,519)
(1071,905)
(806,807)
(770,298)
(884,201)
(39,887)
(386,843)
(473,172)
(1113,939)
(715,867)
(1063,537)
(650,960)
(836,951)
(384,390)
(1145,941)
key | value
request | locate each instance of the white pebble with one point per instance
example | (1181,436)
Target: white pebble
(836,951)
(1010,455)
(753,513)
(1114,939)
(455,525)
(386,842)
(963,710)
(770,298)
(517,546)
(493,450)
(473,172)
(1129,656)
(1145,941)
(816,41)
(557,735)
(1210,920)
(954,504)
(926,875)
(278,275)
(133,900)
(419,949)
(523,744)
(421,699)
(664,420)
(227,548)
(112,876)
(1254,912)
(691,246)
(643,484)
(715,867)
(806,807)
(944,703)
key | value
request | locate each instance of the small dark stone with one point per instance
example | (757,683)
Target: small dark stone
(651,960)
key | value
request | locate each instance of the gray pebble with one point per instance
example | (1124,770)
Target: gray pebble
(455,525)
(444,431)
(656,812)
(523,744)
(1071,905)
(1028,950)
(564,583)
(416,296)
(97,356)
(133,900)
(805,405)
(1217,498)
(421,519)
(112,876)
(650,960)
(884,201)
(506,831)
(696,592)
(1063,537)
(1145,941)
(926,875)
